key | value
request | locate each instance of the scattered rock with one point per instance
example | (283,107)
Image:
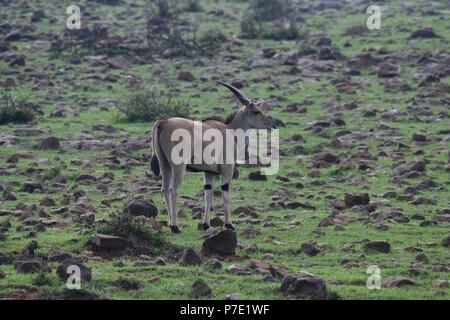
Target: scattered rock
(446,241)
(118,62)
(32,186)
(269,52)
(231,296)
(309,249)
(186,76)
(216,222)
(257,176)
(238,270)
(141,208)
(388,70)
(8,196)
(423,33)
(63,268)
(30,265)
(105,241)
(50,143)
(304,285)
(397,281)
(190,257)
(441,283)
(213,264)
(378,246)
(356,198)
(222,243)
(47,202)
(201,289)
(58,256)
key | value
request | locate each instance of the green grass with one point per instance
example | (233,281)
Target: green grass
(175,280)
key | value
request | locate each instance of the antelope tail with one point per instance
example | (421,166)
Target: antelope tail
(154,163)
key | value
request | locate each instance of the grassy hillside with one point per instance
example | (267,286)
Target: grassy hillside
(327,85)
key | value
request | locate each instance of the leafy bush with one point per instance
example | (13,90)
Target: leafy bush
(193,6)
(14,108)
(271,19)
(42,279)
(269,10)
(150,105)
(144,239)
(283,30)
(164,8)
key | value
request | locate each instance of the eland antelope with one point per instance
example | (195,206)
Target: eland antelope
(247,117)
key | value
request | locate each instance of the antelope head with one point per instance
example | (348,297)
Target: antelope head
(250,115)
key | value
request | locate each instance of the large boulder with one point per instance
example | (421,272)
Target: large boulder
(222,243)
(304,285)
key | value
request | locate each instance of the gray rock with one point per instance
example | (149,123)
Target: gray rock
(213,264)
(50,143)
(141,208)
(222,243)
(446,241)
(396,281)
(32,186)
(356,198)
(201,289)
(304,285)
(8,196)
(108,242)
(85,272)
(309,249)
(190,257)
(231,296)
(186,76)
(378,246)
(58,256)
(30,265)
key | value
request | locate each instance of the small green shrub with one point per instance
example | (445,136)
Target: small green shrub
(149,106)
(271,19)
(51,173)
(269,10)
(282,30)
(144,239)
(42,279)
(193,6)
(164,8)
(14,108)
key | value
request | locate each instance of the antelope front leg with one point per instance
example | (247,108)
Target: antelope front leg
(208,199)
(226,178)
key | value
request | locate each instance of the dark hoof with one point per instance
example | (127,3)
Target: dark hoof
(175,229)
(205,226)
(229,226)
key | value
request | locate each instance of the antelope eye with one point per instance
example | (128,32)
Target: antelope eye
(256,112)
